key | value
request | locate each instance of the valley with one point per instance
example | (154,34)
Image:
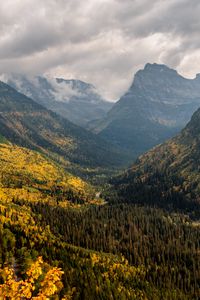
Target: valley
(90,211)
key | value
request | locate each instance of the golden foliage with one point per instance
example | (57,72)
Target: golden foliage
(41,282)
(28,175)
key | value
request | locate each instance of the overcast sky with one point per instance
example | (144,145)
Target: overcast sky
(103,42)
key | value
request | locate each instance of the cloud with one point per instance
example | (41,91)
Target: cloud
(99,41)
(63,91)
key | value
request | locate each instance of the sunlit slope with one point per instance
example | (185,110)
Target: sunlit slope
(27,175)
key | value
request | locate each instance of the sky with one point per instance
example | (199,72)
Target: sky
(103,42)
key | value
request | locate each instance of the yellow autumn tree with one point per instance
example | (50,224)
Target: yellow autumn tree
(42,282)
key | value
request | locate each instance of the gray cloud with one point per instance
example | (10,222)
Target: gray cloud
(100,41)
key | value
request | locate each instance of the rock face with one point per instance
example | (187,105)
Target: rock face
(75,100)
(157,105)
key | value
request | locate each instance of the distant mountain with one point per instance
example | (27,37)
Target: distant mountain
(75,100)
(28,124)
(168,175)
(157,105)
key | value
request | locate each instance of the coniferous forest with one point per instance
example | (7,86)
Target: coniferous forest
(99,169)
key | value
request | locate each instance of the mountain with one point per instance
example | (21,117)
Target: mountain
(28,124)
(75,100)
(168,175)
(158,104)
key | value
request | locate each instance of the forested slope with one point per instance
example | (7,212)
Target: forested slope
(167,175)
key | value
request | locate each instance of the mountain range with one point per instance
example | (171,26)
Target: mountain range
(158,104)
(75,100)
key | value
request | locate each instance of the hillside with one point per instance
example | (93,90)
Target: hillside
(167,175)
(27,176)
(158,104)
(28,124)
(75,100)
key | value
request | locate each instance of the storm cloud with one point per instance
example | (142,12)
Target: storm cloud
(103,42)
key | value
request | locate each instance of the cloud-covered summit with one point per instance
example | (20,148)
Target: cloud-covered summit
(98,41)
(75,100)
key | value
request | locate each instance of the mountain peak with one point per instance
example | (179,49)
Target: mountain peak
(76,83)
(152,74)
(155,69)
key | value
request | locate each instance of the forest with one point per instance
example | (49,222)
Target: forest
(120,252)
